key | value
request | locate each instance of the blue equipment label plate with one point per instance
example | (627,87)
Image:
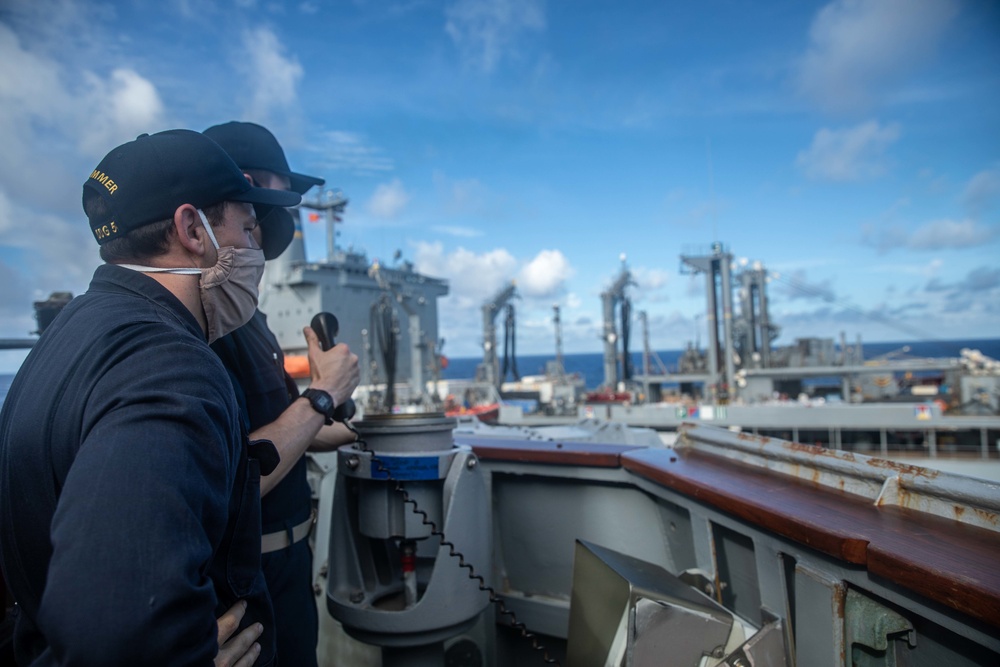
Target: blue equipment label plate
(406,468)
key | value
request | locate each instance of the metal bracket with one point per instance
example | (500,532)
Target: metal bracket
(870,624)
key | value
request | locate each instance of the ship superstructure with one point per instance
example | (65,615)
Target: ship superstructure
(389,314)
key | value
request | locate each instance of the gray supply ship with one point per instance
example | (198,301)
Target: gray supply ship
(739,381)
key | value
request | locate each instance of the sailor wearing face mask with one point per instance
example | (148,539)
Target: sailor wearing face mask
(129,498)
(275,409)
(228,288)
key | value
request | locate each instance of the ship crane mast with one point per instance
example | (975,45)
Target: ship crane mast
(718,279)
(489,370)
(560,368)
(610,298)
(417,386)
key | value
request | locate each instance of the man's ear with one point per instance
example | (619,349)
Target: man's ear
(190,230)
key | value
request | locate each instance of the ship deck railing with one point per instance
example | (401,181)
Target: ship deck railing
(781,529)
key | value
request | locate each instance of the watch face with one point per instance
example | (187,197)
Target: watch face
(321,401)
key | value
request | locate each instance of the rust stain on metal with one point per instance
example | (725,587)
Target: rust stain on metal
(905,499)
(808,449)
(818,451)
(840,613)
(986,516)
(906,468)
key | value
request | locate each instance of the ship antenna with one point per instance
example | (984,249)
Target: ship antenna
(711,188)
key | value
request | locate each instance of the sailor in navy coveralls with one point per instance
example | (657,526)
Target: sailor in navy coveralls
(129,511)
(274,409)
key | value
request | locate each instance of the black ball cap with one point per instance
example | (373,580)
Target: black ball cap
(146,180)
(253,146)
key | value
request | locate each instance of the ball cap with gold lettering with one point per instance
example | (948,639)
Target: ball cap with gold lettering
(146,180)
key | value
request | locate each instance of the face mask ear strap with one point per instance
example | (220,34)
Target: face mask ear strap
(208,228)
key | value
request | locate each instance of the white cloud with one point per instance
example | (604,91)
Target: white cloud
(348,151)
(47,109)
(934,235)
(474,277)
(6,215)
(131,106)
(857,48)
(272,76)
(57,120)
(978,280)
(981,279)
(982,192)
(650,279)
(545,275)
(463,197)
(31,84)
(850,154)
(950,234)
(486,31)
(454,230)
(388,200)
(50,254)
(650,284)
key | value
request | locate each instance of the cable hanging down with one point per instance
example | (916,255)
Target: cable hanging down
(384,326)
(509,354)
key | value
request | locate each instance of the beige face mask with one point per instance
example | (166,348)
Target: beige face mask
(228,288)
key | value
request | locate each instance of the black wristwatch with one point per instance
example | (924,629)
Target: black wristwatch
(321,402)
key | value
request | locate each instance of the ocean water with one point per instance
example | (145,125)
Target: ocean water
(591,365)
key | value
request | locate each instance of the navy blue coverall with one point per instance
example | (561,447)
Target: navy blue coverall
(129,509)
(256,364)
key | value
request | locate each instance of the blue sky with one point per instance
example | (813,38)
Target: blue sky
(852,147)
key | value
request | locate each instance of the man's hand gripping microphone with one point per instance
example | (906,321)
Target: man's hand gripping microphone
(326,327)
